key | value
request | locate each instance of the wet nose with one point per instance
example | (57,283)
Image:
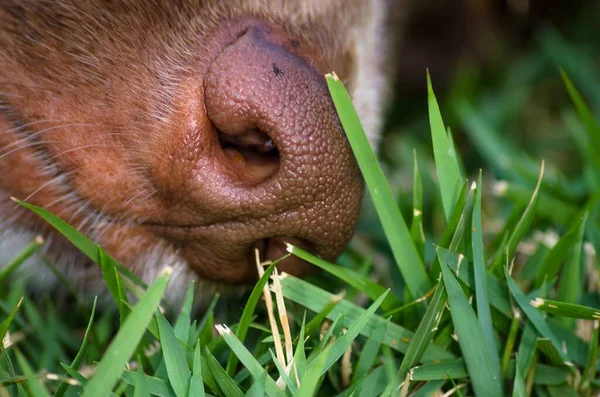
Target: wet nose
(280,168)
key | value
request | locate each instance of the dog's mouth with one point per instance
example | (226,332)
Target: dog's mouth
(214,252)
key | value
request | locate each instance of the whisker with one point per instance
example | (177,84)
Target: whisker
(91,146)
(50,182)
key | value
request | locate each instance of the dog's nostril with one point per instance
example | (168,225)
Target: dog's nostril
(252,151)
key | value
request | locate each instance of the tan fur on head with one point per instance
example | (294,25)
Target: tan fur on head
(90,89)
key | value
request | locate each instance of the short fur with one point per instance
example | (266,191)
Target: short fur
(66,63)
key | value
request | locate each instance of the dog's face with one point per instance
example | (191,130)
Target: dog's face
(187,132)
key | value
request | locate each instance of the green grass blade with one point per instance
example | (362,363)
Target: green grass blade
(591,367)
(300,354)
(533,314)
(484,376)
(521,228)
(519,388)
(62,387)
(455,229)
(546,346)
(315,299)
(369,352)
(258,387)
(226,384)
(74,374)
(551,264)
(196,384)
(569,285)
(526,349)
(248,360)
(447,167)
(592,127)
(310,382)
(183,322)
(5,325)
(175,361)
(355,279)
(564,309)
(84,244)
(27,253)
(36,387)
(141,386)
(111,280)
(156,386)
(335,351)
(425,331)
(429,389)
(416,226)
(125,342)
(453,369)
(293,389)
(398,236)
(246,319)
(482,301)
(497,291)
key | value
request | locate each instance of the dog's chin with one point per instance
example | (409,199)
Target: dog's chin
(84,278)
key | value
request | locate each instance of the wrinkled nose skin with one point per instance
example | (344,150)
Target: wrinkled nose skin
(265,161)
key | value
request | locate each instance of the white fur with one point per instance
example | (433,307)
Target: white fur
(372,88)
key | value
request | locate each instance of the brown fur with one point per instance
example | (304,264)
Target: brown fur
(92,122)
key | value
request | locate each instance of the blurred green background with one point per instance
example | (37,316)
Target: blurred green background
(494,65)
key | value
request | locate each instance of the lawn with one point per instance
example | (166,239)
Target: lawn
(473,272)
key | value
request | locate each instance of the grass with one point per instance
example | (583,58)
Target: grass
(479,276)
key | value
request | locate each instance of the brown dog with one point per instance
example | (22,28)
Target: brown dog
(185,132)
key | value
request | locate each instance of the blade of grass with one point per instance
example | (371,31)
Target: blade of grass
(196,384)
(141,386)
(569,285)
(335,350)
(519,388)
(27,253)
(510,342)
(447,167)
(315,299)
(416,226)
(484,377)
(398,236)
(482,301)
(564,309)
(589,371)
(175,361)
(227,385)
(425,331)
(497,291)
(592,127)
(5,325)
(125,342)
(526,349)
(522,226)
(36,387)
(356,280)
(546,346)
(156,386)
(455,230)
(84,244)
(533,314)
(369,352)
(246,319)
(249,361)
(183,322)
(551,264)
(62,387)
(258,387)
